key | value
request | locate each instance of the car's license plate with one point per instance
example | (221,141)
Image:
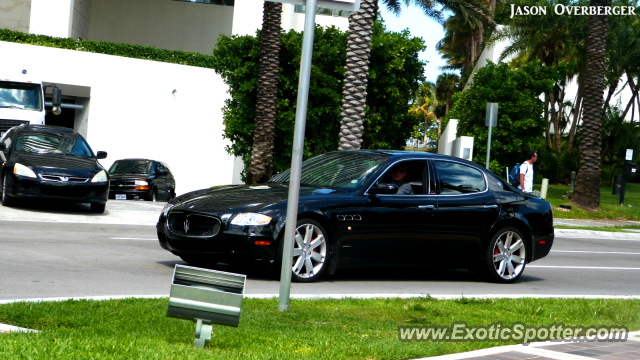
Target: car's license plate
(121,197)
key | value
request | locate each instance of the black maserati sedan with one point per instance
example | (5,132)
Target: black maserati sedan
(367,208)
(144,179)
(51,162)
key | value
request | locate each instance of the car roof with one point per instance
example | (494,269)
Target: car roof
(400,154)
(46,128)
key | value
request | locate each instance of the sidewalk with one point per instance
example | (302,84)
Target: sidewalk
(594,223)
(629,350)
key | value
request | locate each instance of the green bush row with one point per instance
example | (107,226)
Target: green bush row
(109,48)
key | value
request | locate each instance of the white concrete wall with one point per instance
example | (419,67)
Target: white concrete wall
(80,19)
(165,24)
(460,144)
(342,23)
(445,143)
(133,113)
(15,15)
(51,17)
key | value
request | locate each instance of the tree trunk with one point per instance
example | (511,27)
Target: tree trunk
(439,125)
(576,113)
(612,89)
(265,121)
(613,173)
(634,89)
(426,127)
(587,187)
(354,100)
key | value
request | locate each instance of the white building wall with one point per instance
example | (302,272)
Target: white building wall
(164,24)
(447,138)
(51,17)
(133,112)
(15,15)
(80,19)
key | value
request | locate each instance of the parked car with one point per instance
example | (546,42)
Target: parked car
(51,162)
(456,215)
(141,179)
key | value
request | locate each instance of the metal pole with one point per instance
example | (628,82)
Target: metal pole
(489,147)
(296,158)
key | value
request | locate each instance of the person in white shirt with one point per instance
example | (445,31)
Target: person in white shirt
(526,172)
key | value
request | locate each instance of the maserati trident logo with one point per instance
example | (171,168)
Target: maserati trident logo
(64,178)
(186,226)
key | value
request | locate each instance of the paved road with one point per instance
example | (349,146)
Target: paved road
(45,259)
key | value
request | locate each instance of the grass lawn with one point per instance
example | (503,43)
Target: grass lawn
(314,329)
(609,204)
(601,228)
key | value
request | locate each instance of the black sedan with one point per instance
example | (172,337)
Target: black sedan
(51,162)
(141,179)
(367,208)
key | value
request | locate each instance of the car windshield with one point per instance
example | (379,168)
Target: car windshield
(131,167)
(336,170)
(20,96)
(53,144)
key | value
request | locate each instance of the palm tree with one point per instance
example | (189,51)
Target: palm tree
(265,121)
(359,47)
(587,187)
(424,104)
(446,86)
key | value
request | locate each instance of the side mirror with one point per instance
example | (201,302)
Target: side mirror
(3,146)
(56,97)
(384,188)
(101,155)
(162,172)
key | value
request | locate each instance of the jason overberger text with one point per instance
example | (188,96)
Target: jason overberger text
(572,10)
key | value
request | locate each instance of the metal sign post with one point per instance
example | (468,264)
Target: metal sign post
(491,121)
(298,135)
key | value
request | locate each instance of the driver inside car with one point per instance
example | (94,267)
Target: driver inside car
(397,177)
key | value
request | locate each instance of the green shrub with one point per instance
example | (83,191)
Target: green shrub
(109,48)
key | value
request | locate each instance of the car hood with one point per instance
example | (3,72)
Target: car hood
(56,164)
(116,177)
(237,197)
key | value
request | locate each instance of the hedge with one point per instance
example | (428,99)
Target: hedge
(109,48)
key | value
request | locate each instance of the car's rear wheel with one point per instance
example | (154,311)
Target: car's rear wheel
(506,255)
(6,200)
(98,208)
(310,251)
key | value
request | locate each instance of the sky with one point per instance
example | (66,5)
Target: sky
(419,25)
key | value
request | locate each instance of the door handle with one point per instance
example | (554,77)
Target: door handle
(426,206)
(490,206)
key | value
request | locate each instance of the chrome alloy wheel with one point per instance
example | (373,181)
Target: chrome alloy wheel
(309,251)
(509,255)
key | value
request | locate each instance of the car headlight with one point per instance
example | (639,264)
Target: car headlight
(250,219)
(141,183)
(19,169)
(100,177)
(166,208)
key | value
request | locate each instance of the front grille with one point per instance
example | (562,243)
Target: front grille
(123,184)
(64,178)
(63,192)
(8,124)
(193,224)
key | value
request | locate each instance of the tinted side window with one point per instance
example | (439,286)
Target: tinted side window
(459,179)
(167,168)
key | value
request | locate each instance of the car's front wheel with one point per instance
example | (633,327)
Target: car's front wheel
(310,251)
(154,195)
(6,200)
(506,255)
